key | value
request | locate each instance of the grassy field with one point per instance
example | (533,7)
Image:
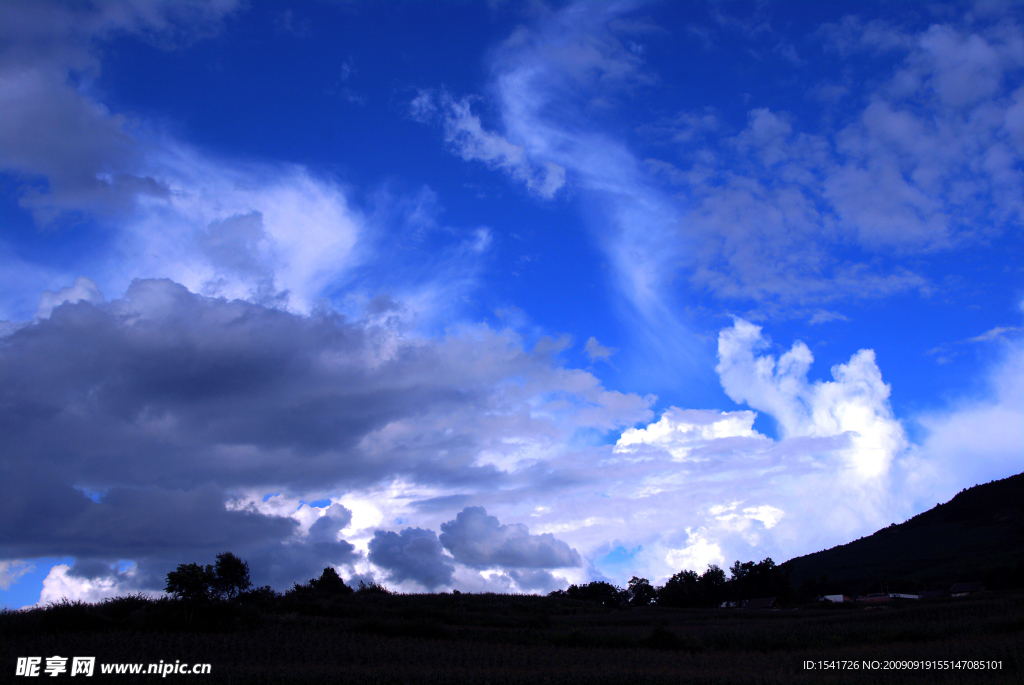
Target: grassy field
(517,639)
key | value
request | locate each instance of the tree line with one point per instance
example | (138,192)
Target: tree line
(747,580)
(228,579)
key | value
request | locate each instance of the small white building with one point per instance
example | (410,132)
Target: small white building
(835,598)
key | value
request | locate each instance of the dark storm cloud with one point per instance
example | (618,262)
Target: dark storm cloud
(478,540)
(170,389)
(160,530)
(327,527)
(165,405)
(283,564)
(44,517)
(414,554)
(164,400)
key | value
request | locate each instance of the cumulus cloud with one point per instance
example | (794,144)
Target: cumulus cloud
(61,584)
(855,404)
(82,289)
(696,555)
(326,528)
(414,554)
(231,399)
(693,433)
(478,540)
(740,494)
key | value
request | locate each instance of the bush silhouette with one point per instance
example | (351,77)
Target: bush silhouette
(373,589)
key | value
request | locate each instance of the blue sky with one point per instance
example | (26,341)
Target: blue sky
(499,296)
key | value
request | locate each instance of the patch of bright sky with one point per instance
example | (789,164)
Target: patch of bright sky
(24,591)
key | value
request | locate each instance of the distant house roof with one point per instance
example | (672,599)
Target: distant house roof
(761,603)
(964,588)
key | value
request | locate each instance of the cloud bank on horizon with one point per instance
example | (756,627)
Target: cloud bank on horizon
(497,310)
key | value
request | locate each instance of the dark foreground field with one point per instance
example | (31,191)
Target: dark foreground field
(515,639)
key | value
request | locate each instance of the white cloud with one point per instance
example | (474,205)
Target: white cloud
(855,404)
(279,234)
(11,571)
(60,584)
(997,333)
(841,468)
(243,231)
(682,431)
(929,162)
(471,141)
(82,289)
(690,488)
(732,518)
(735,493)
(596,350)
(697,555)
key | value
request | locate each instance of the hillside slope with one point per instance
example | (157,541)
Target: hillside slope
(976,536)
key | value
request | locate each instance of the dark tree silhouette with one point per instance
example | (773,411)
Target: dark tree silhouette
(712,585)
(330,583)
(761,579)
(232,575)
(641,592)
(681,590)
(192,582)
(687,589)
(595,591)
(197,583)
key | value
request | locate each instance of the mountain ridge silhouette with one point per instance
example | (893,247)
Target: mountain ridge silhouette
(978,535)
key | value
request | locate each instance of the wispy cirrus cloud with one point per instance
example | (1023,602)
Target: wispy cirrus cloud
(929,160)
